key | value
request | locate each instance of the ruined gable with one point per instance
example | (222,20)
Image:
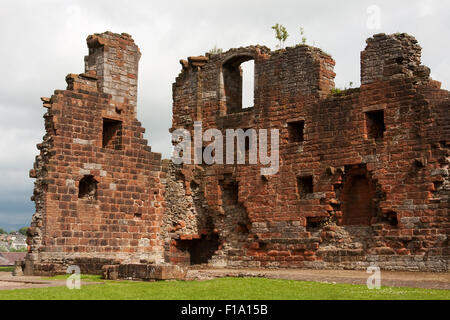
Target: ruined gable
(98,192)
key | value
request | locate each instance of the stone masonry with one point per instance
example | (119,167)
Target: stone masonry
(363,173)
(363,178)
(98,192)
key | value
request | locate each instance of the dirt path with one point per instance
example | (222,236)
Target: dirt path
(388,278)
(8,282)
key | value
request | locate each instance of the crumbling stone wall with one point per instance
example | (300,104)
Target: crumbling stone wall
(185,219)
(98,192)
(193,234)
(366,180)
(363,173)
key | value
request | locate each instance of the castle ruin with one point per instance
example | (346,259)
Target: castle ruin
(363,177)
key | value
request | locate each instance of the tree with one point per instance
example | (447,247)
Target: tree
(23,231)
(2,231)
(281,34)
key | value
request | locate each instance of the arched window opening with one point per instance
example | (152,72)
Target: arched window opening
(87,188)
(238,83)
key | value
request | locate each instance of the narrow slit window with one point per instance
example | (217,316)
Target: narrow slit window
(248,83)
(112,134)
(375,126)
(248,139)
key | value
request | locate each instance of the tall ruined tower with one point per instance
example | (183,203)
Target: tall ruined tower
(98,191)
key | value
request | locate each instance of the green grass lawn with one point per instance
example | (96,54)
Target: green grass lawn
(6,269)
(222,289)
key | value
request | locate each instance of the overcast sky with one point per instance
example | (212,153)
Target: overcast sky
(43,41)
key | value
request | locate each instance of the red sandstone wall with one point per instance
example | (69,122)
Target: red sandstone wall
(351,191)
(380,199)
(121,220)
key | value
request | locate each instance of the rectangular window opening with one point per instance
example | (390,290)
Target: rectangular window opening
(112,134)
(296,131)
(315,223)
(304,186)
(375,126)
